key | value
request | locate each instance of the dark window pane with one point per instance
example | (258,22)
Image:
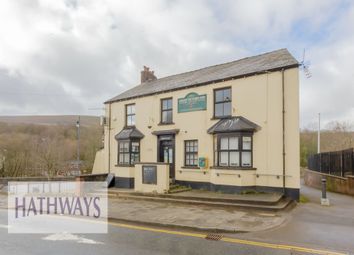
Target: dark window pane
(164,105)
(164,117)
(219,108)
(227,95)
(169,117)
(134,158)
(227,109)
(219,96)
(169,103)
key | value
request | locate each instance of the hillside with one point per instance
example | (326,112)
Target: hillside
(51,120)
(47,145)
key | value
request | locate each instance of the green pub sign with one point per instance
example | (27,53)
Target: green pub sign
(192,102)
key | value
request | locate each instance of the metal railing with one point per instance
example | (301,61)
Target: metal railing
(340,163)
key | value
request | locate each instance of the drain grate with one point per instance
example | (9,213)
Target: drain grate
(214,237)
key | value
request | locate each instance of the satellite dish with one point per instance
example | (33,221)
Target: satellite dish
(305,66)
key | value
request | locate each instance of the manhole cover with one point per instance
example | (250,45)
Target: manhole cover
(214,237)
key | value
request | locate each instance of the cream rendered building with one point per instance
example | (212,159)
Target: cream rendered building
(229,127)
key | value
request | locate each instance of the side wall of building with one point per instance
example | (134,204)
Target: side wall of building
(258,98)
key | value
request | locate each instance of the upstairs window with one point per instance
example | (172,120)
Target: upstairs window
(130,115)
(166,111)
(222,102)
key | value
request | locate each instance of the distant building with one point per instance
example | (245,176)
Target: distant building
(229,127)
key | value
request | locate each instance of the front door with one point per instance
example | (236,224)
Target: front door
(167,152)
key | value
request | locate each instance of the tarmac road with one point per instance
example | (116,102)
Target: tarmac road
(130,239)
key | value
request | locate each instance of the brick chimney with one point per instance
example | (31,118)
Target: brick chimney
(147,75)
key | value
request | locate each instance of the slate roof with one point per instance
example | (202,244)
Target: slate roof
(233,124)
(129,133)
(270,61)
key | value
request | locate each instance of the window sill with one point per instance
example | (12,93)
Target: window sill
(221,117)
(232,168)
(165,124)
(190,167)
(121,165)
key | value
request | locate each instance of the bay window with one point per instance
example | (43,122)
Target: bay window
(128,152)
(233,150)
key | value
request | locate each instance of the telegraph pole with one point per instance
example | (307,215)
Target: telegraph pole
(319,134)
(78,143)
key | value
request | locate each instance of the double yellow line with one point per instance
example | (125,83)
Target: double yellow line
(223,239)
(231,240)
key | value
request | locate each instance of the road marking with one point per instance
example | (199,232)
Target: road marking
(70,237)
(232,240)
(224,239)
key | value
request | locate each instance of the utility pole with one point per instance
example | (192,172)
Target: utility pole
(319,134)
(78,143)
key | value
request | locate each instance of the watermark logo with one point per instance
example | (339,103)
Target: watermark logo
(55,207)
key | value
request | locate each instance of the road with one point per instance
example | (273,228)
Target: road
(130,239)
(314,225)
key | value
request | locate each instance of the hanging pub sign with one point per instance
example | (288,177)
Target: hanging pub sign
(192,102)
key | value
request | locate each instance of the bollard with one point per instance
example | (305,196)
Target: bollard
(324,187)
(324,199)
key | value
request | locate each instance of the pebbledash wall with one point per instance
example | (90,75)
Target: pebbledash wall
(258,98)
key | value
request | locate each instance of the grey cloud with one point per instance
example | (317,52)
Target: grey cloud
(89,51)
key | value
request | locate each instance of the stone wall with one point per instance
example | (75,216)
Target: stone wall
(87,178)
(344,185)
(5,180)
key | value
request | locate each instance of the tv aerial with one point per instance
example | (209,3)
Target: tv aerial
(305,66)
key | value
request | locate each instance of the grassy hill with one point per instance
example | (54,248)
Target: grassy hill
(51,120)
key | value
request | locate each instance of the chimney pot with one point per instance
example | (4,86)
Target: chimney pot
(147,75)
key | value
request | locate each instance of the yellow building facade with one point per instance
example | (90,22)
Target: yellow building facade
(231,127)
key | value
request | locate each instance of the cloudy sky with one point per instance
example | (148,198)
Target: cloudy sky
(68,56)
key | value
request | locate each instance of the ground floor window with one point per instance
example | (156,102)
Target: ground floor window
(233,150)
(128,152)
(191,153)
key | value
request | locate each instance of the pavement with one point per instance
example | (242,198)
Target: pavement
(196,217)
(311,224)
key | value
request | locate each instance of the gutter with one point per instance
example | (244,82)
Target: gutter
(283,133)
(109,138)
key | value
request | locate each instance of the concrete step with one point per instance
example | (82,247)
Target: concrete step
(281,205)
(176,188)
(263,199)
(255,201)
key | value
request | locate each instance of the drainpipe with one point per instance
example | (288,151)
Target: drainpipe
(283,103)
(109,137)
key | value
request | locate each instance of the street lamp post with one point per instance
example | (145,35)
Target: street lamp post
(78,143)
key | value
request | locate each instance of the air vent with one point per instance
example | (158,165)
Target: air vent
(214,237)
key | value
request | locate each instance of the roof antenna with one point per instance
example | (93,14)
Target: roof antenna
(305,66)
